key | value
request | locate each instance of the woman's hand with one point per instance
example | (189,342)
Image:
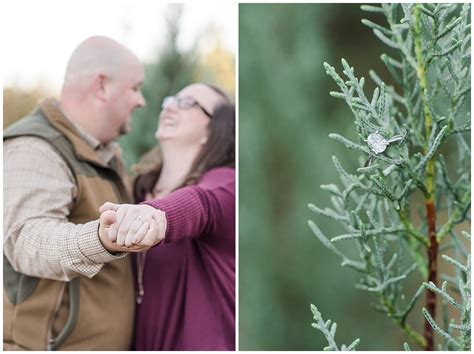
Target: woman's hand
(106,220)
(134,225)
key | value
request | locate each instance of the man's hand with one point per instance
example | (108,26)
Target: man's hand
(133,225)
(106,220)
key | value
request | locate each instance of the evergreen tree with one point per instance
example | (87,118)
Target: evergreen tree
(404,130)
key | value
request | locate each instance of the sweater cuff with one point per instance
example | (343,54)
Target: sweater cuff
(91,247)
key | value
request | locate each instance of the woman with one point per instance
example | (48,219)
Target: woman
(186,284)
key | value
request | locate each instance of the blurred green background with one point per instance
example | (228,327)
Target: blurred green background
(285,116)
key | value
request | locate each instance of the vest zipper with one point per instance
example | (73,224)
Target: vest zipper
(56,309)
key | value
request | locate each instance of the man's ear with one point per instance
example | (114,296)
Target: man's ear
(99,87)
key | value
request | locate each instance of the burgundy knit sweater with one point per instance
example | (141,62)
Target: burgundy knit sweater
(189,279)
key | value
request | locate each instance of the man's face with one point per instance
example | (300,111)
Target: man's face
(125,97)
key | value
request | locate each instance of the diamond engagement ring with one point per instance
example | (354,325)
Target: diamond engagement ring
(139,218)
(377,143)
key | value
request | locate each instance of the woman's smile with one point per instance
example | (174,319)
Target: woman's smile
(168,120)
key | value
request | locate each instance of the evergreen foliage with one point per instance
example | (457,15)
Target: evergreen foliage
(427,109)
(329,330)
(462,286)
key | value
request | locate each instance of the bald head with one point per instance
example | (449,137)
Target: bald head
(102,87)
(97,55)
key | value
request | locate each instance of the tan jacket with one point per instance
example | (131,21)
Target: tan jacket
(100,309)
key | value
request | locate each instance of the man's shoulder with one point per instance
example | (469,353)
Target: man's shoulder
(26,150)
(28,142)
(34,124)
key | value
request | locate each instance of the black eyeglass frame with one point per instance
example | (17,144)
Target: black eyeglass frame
(178,101)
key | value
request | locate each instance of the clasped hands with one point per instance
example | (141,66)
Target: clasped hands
(131,228)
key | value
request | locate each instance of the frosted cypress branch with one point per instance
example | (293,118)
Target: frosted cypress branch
(349,144)
(334,189)
(426,11)
(461,129)
(430,68)
(431,286)
(406,189)
(446,52)
(432,149)
(322,326)
(389,60)
(368,169)
(456,263)
(338,204)
(329,330)
(382,107)
(374,25)
(391,262)
(393,67)
(337,94)
(463,328)
(380,183)
(370,8)
(466,235)
(380,231)
(385,39)
(438,329)
(412,302)
(353,345)
(323,239)
(388,159)
(449,28)
(328,212)
(375,97)
(359,266)
(389,170)
(378,81)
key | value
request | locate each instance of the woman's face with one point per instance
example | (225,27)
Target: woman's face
(184,120)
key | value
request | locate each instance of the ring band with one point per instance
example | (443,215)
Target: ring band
(139,218)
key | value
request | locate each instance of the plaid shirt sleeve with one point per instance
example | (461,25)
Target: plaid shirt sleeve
(39,191)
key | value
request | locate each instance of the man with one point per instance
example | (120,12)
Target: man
(66,286)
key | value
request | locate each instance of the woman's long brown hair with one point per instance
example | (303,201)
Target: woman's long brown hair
(218,151)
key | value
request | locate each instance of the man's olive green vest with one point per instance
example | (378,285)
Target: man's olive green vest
(83,314)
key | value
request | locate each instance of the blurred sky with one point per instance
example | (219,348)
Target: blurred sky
(39,36)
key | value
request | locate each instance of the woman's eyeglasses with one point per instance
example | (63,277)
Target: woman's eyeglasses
(183,103)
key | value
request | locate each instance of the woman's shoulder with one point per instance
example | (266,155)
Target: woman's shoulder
(217,178)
